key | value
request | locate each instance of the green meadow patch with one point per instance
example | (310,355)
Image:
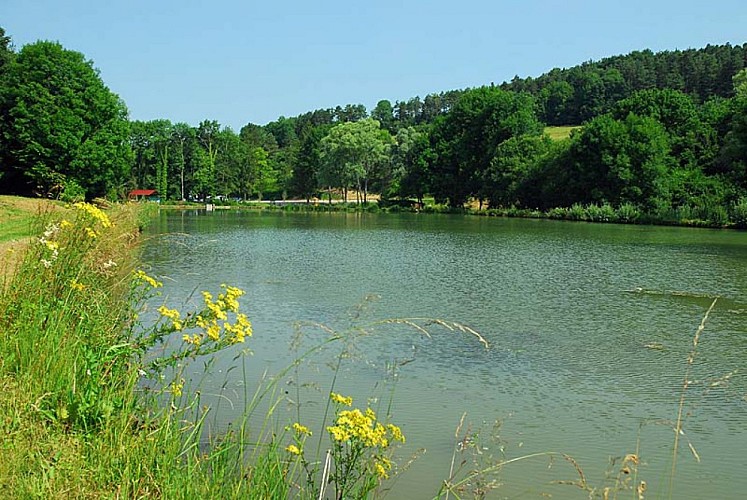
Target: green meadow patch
(561,132)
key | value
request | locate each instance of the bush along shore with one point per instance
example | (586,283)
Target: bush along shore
(95,403)
(733,217)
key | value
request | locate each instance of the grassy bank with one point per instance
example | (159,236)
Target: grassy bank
(95,404)
(16,226)
(73,421)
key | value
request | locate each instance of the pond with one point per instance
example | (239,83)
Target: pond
(588,327)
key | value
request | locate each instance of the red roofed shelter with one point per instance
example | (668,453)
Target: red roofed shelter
(142,194)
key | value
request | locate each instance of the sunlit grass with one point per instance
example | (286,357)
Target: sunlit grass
(561,132)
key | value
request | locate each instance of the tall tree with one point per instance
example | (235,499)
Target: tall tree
(510,168)
(619,161)
(61,123)
(305,181)
(354,154)
(410,156)
(465,139)
(384,114)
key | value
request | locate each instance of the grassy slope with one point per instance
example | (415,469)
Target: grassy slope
(16,221)
(559,133)
(16,216)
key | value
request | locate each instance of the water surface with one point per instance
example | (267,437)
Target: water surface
(589,329)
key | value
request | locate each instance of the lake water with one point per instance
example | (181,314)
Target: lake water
(589,329)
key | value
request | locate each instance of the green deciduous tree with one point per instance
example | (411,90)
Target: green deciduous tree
(510,167)
(619,161)
(354,154)
(410,157)
(61,123)
(465,139)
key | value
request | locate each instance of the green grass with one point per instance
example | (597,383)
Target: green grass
(17,216)
(560,133)
(75,419)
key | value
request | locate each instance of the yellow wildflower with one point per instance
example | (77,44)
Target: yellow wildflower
(242,328)
(176,388)
(292,448)
(201,322)
(339,398)
(91,233)
(381,471)
(301,429)
(244,323)
(94,212)
(173,315)
(363,428)
(169,313)
(64,224)
(194,339)
(217,310)
(77,286)
(229,300)
(51,245)
(339,433)
(396,433)
(140,275)
(213,331)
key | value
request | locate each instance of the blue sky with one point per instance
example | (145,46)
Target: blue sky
(248,61)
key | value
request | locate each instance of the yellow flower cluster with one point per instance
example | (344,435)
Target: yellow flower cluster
(301,429)
(292,448)
(382,466)
(396,433)
(241,329)
(91,233)
(64,224)
(218,309)
(94,212)
(141,276)
(340,399)
(173,315)
(192,339)
(77,286)
(229,299)
(177,388)
(354,425)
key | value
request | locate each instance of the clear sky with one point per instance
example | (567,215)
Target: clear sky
(240,61)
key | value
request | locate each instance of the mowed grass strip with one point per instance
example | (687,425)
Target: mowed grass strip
(17,216)
(560,133)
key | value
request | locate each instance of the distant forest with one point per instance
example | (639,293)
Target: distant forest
(661,133)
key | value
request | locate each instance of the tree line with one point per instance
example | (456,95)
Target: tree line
(658,131)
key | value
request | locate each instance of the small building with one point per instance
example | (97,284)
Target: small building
(143,195)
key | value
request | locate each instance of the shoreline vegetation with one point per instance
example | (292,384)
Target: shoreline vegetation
(706,217)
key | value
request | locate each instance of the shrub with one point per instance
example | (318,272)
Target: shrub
(628,213)
(738,213)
